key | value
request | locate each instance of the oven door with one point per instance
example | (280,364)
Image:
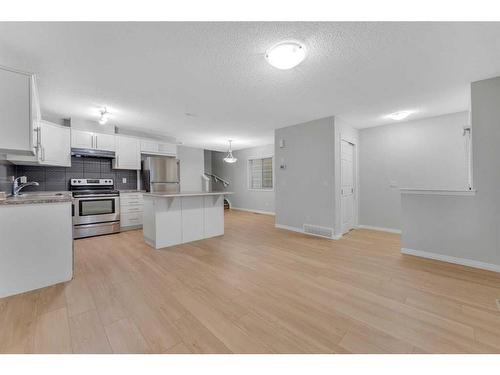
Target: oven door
(93,209)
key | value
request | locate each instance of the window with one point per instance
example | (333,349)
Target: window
(260,172)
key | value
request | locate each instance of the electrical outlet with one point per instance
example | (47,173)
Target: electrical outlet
(124,180)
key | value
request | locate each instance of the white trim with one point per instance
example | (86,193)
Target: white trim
(450,259)
(300,230)
(250,210)
(380,229)
(438,192)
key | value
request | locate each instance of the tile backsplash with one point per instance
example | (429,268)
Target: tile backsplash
(6,171)
(57,178)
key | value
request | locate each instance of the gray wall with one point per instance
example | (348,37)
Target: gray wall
(208,160)
(305,188)
(191,167)
(237,175)
(464,227)
(421,154)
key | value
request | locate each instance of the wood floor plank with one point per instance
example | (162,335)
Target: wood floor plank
(51,298)
(124,337)
(87,334)
(78,296)
(17,323)
(52,333)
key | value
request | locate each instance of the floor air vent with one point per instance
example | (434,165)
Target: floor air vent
(318,231)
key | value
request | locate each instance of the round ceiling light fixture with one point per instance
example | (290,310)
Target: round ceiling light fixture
(286,55)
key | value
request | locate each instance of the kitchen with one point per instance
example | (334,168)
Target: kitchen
(78,179)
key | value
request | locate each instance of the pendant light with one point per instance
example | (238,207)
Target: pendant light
(229,157)
(104,116)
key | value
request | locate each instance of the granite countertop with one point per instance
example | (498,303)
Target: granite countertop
(187,194)
(39,198)
(131,191)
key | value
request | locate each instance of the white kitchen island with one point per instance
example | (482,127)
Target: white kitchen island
(173,218)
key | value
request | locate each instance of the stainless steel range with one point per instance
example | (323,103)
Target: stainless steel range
(96,207)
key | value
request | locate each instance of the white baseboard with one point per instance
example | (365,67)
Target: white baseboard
(380,229)
(254,211)
(300,230)
(450,259)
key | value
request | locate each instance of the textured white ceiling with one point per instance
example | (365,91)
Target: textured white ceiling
(150,75)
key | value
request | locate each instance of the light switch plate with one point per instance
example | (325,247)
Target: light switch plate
(124,180)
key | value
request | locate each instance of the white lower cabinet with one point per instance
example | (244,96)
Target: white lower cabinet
(131,208)
(36,246)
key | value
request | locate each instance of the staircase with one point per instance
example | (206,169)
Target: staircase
(215,185)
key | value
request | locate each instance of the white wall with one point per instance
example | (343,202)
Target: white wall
(191,168)
(237,175)
(421,154)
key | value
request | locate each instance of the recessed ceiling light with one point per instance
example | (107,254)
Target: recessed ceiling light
(286,55)
(401,115)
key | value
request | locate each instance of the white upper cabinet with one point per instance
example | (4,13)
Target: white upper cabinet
(128,153)
(55,144)
(19,112)
(90,140)
(82,139)
(54,147)
(148,146)
(158,148)
(105,142)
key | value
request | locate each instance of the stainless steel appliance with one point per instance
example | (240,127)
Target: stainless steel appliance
(96,207)
(160,174)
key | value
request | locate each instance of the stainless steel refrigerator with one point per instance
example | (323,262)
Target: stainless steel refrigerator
(160,174)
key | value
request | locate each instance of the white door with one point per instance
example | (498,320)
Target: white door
(82,139)
(55,140)
(347,185)
(105,142)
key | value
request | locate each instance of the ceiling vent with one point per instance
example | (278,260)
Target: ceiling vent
(316,230)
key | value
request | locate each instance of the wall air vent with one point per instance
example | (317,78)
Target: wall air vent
(318,231)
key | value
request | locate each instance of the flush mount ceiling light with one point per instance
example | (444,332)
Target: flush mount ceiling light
(286,55)
(401,115)
(229,157)
(104,116)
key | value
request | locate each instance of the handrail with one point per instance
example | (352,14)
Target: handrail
(217,178)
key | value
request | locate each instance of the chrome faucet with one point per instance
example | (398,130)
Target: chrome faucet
(16,187)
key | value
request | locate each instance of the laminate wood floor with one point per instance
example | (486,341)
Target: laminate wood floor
(257,289)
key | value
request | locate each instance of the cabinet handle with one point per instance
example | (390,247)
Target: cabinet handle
(43,153)
(95,141)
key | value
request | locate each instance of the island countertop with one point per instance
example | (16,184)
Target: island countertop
(187,194)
